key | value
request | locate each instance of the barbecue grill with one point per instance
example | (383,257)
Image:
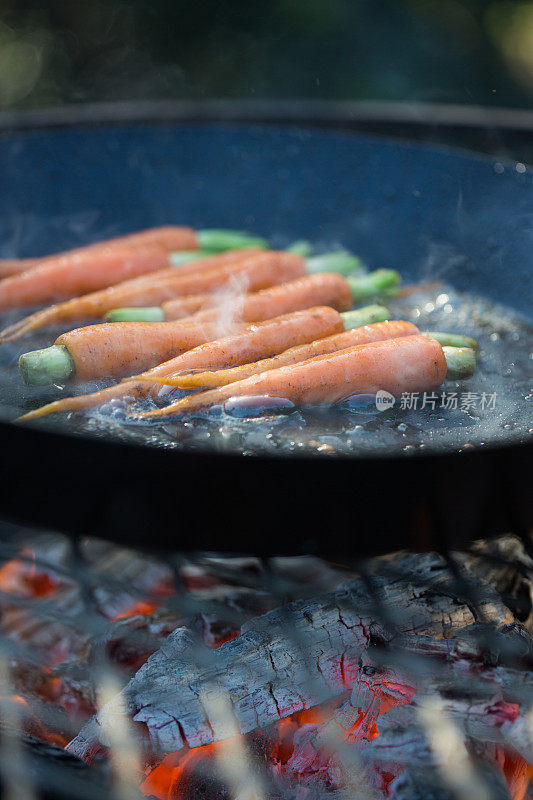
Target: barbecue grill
(357,676)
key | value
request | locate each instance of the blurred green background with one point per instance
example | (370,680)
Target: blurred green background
(452,51)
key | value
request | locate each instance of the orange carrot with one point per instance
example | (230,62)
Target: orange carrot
(13,266)
(72,275)
(254,341)
(375,332)
(324,288)
(257,269)
(408,364)
(123,348)
(168,237)
(115,350)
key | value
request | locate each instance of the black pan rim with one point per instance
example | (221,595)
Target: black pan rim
(35,124)
(334,113)
(273,458)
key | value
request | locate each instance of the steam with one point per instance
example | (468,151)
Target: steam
(22,235)
(441,259)
(228,301)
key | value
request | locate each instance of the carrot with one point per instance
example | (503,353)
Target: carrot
(113,350)
(169,237)
(13,266)
(257,269)
(326,288)
(408,364)
(354,291)
(322,289)
(375,332)
(254,341)
(72,275)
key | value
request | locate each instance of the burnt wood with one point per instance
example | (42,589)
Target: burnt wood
(291,658)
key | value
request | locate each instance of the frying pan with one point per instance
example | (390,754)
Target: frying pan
(386,200)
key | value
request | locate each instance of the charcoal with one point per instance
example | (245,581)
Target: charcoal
(294,657)
(55,773)
(61,628)
(74,693)
(504,563)
(44,719)
(402,748)
(413,786)
(406,621)
(309,573)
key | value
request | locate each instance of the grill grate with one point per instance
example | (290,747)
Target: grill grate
(446,648)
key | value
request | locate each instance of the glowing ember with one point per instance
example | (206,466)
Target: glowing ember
(302,751)
(24,579)
(30,723)
(142,608)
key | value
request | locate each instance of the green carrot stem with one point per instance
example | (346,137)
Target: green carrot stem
(185,256)
(453,340)
(141,314)
(301,247)
(39,367)
(461,362)
(381,283)
(365,316)
(341,261)
(216,241)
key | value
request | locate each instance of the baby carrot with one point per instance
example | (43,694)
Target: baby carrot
(257,269)
(326,288)
(74,274)
(113,350)
(346,291)
(374,332)
(249,343)
(101,264)
(13,266)
(408,364)
(169,237)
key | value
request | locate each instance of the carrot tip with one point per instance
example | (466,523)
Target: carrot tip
(43,411)
(35,414)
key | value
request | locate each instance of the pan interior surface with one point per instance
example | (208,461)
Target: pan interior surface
(459,224)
